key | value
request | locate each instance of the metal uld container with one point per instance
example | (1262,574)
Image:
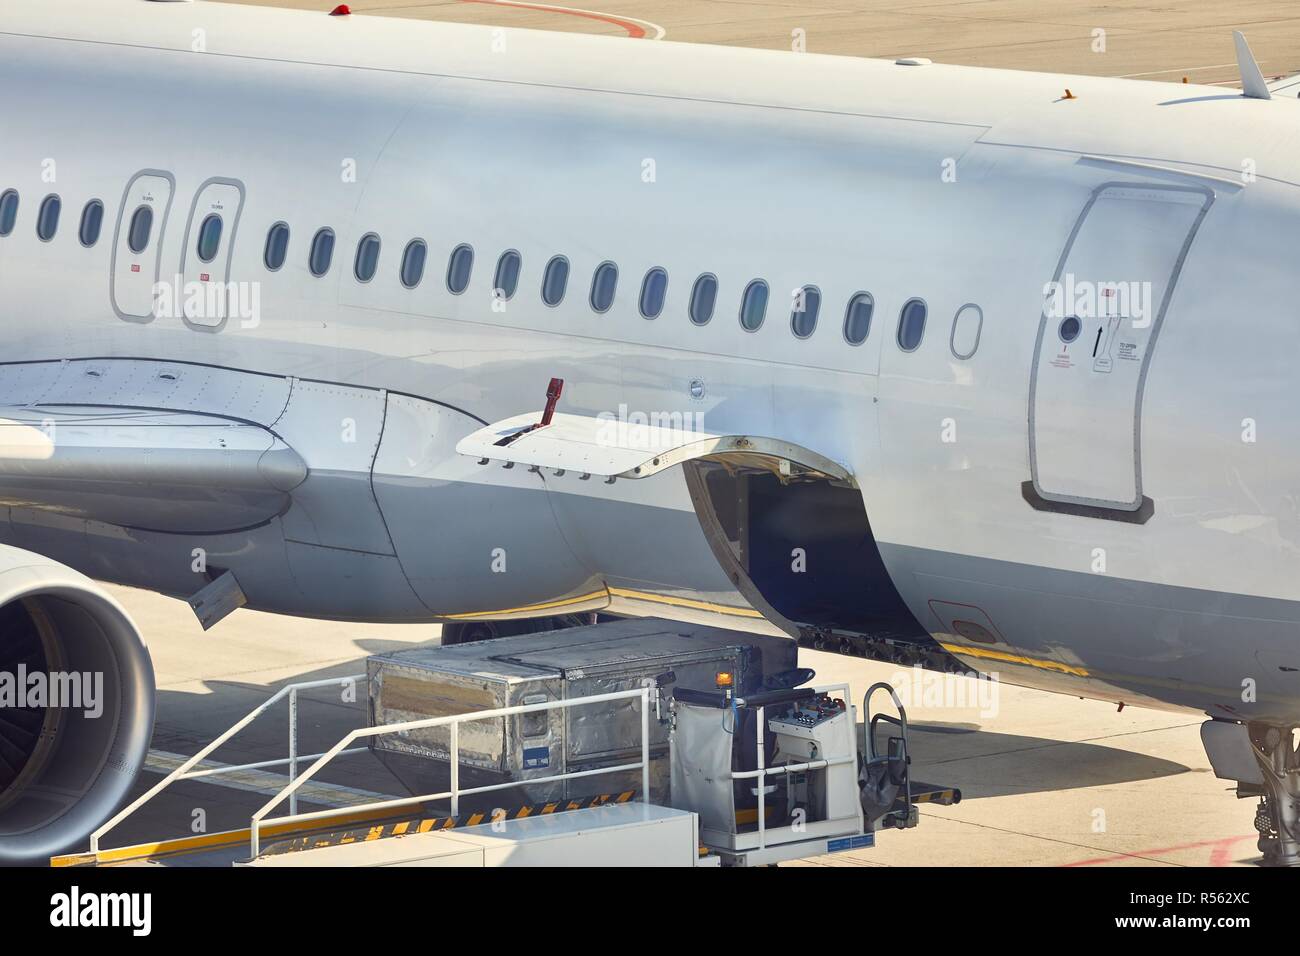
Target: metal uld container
(554,665)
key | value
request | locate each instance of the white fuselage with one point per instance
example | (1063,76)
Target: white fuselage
(949,185)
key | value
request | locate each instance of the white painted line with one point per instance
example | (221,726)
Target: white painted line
(266,783)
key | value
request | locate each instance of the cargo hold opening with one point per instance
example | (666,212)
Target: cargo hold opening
(801,545)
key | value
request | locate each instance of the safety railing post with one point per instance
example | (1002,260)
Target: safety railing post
(293,745)
(455,769)
(762,784)
(645,745)
(452,721)
(186,770)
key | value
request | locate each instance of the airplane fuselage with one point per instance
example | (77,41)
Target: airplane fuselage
(1107,509)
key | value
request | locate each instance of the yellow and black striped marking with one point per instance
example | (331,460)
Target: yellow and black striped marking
(429,824)
(929,793)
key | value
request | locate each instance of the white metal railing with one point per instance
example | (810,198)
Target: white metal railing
(455,793)
(184,771)
(764,771)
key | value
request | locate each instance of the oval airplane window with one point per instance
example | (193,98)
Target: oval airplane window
(506,280)
(654,288)
(1070,328)
(367,261)
(92,220)
(555,281)
(911,325)
(277,246)
(459,268)
(413,263)
(47,220)
(322,252)
(603,286)
(8,211)
(753,306)
(704,295)
(803,316)
(209,238)
(137,234)
(857,319)
(967,325)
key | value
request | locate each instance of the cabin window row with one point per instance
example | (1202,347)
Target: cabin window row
(804,313)
(805,308)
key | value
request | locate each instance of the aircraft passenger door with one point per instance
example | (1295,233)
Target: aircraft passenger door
(137,253)
(1102,314)
(205,258)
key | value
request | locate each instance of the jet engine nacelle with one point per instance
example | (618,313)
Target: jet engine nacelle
(76,706)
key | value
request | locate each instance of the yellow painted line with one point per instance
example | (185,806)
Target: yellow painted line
(685,602)
(617,592)
(965,650)
(206,841)
(549,605)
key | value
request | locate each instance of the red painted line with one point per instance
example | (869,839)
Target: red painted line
(1218,857)
(634,30)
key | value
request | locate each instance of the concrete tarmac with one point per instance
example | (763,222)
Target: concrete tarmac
(1047,780)
(1165,41)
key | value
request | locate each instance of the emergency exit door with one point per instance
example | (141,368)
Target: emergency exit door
(137,252)
(205,259)
(1102,315)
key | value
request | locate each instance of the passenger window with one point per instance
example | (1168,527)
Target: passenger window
(137,234)
(857,320)
(367,262)
(413,263)
(506,280)
(603,286)
(654,288)
(277,246)
(803,316)
(966,327)
(92,220)
(753,306)
(209,238)
(47,220)
(555,281)
(8,211)
(459,268)
(911,325)
(704,295)
(322,252)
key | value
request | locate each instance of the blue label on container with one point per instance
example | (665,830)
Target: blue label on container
(851,843)
(537,758)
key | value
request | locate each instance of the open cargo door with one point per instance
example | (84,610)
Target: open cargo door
(787,525)
(614,448)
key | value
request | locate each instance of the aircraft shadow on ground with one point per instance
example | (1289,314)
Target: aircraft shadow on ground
(990,764)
